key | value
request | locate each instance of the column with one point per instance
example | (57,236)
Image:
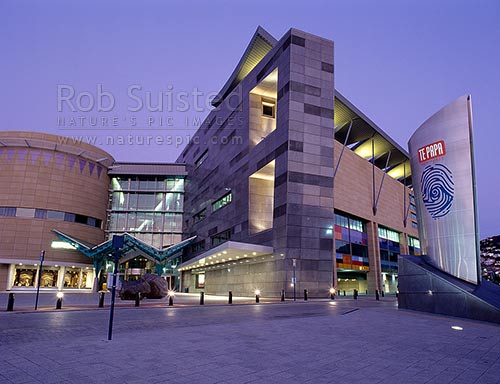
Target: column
(60,277)
(80,275)
(374,275)
(10,276)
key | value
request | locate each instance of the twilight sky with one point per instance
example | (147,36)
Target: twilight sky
(397,61)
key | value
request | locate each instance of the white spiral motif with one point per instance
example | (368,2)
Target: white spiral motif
(437,189)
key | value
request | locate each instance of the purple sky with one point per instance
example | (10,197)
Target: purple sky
(399,62)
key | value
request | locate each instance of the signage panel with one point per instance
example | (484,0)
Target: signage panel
(441,159)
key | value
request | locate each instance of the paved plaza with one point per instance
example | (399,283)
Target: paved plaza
(344,341)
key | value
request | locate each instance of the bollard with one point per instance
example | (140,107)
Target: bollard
(137,299)
(257,298)
(202,298)
(367,291)
(377,296)
(170,301)
(101,299)
(355,295)
(305,294)
(383,295)
(282,295)
(332,293)
(10,303)
(59,303)
(230,300)
(397,294)
(344,293)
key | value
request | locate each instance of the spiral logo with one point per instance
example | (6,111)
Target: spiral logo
(438,190)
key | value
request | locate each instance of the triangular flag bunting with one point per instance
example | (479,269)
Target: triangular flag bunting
(60,160)
(71,162)
(21,154)
(47,157)
(10,154)
(34,156)
(82,164)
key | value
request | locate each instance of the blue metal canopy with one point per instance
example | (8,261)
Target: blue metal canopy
(99,253)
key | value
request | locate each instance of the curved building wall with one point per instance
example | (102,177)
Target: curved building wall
(442,162)
(49,182)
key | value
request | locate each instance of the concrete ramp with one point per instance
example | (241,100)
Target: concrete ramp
(425,288)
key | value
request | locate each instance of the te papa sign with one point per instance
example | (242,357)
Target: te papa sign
(431,151)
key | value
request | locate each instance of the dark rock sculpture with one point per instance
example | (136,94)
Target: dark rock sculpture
(149,286)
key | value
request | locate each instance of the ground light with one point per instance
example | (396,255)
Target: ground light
(457,328)
(257,295)
(332,293)
(170,295)
(60,296)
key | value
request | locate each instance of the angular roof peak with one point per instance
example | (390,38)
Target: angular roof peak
(260,44)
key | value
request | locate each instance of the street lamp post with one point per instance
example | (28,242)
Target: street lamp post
(294,261)
(118,241)
(42,256)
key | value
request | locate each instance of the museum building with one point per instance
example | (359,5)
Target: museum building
(285,186)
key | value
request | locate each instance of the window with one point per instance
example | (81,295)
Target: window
(385,233)
(199,161)
(7,211)
(389,249)
(57,215)
(198,246)
(69,217)
(356,225)
(341,221)
(147,184)
(414,245)
(413,216)
(413,242)
(414,225)
(268,108)
(80,219)
(221,237)
(222,202)
(173,202)
(343,247)
(40,213)
(25,212)
(359,250)
(200,215)
(119,200)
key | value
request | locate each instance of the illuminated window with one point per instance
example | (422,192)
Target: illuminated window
(222,202)
(413,242)
(388,234)
(357,225)
(413,245)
